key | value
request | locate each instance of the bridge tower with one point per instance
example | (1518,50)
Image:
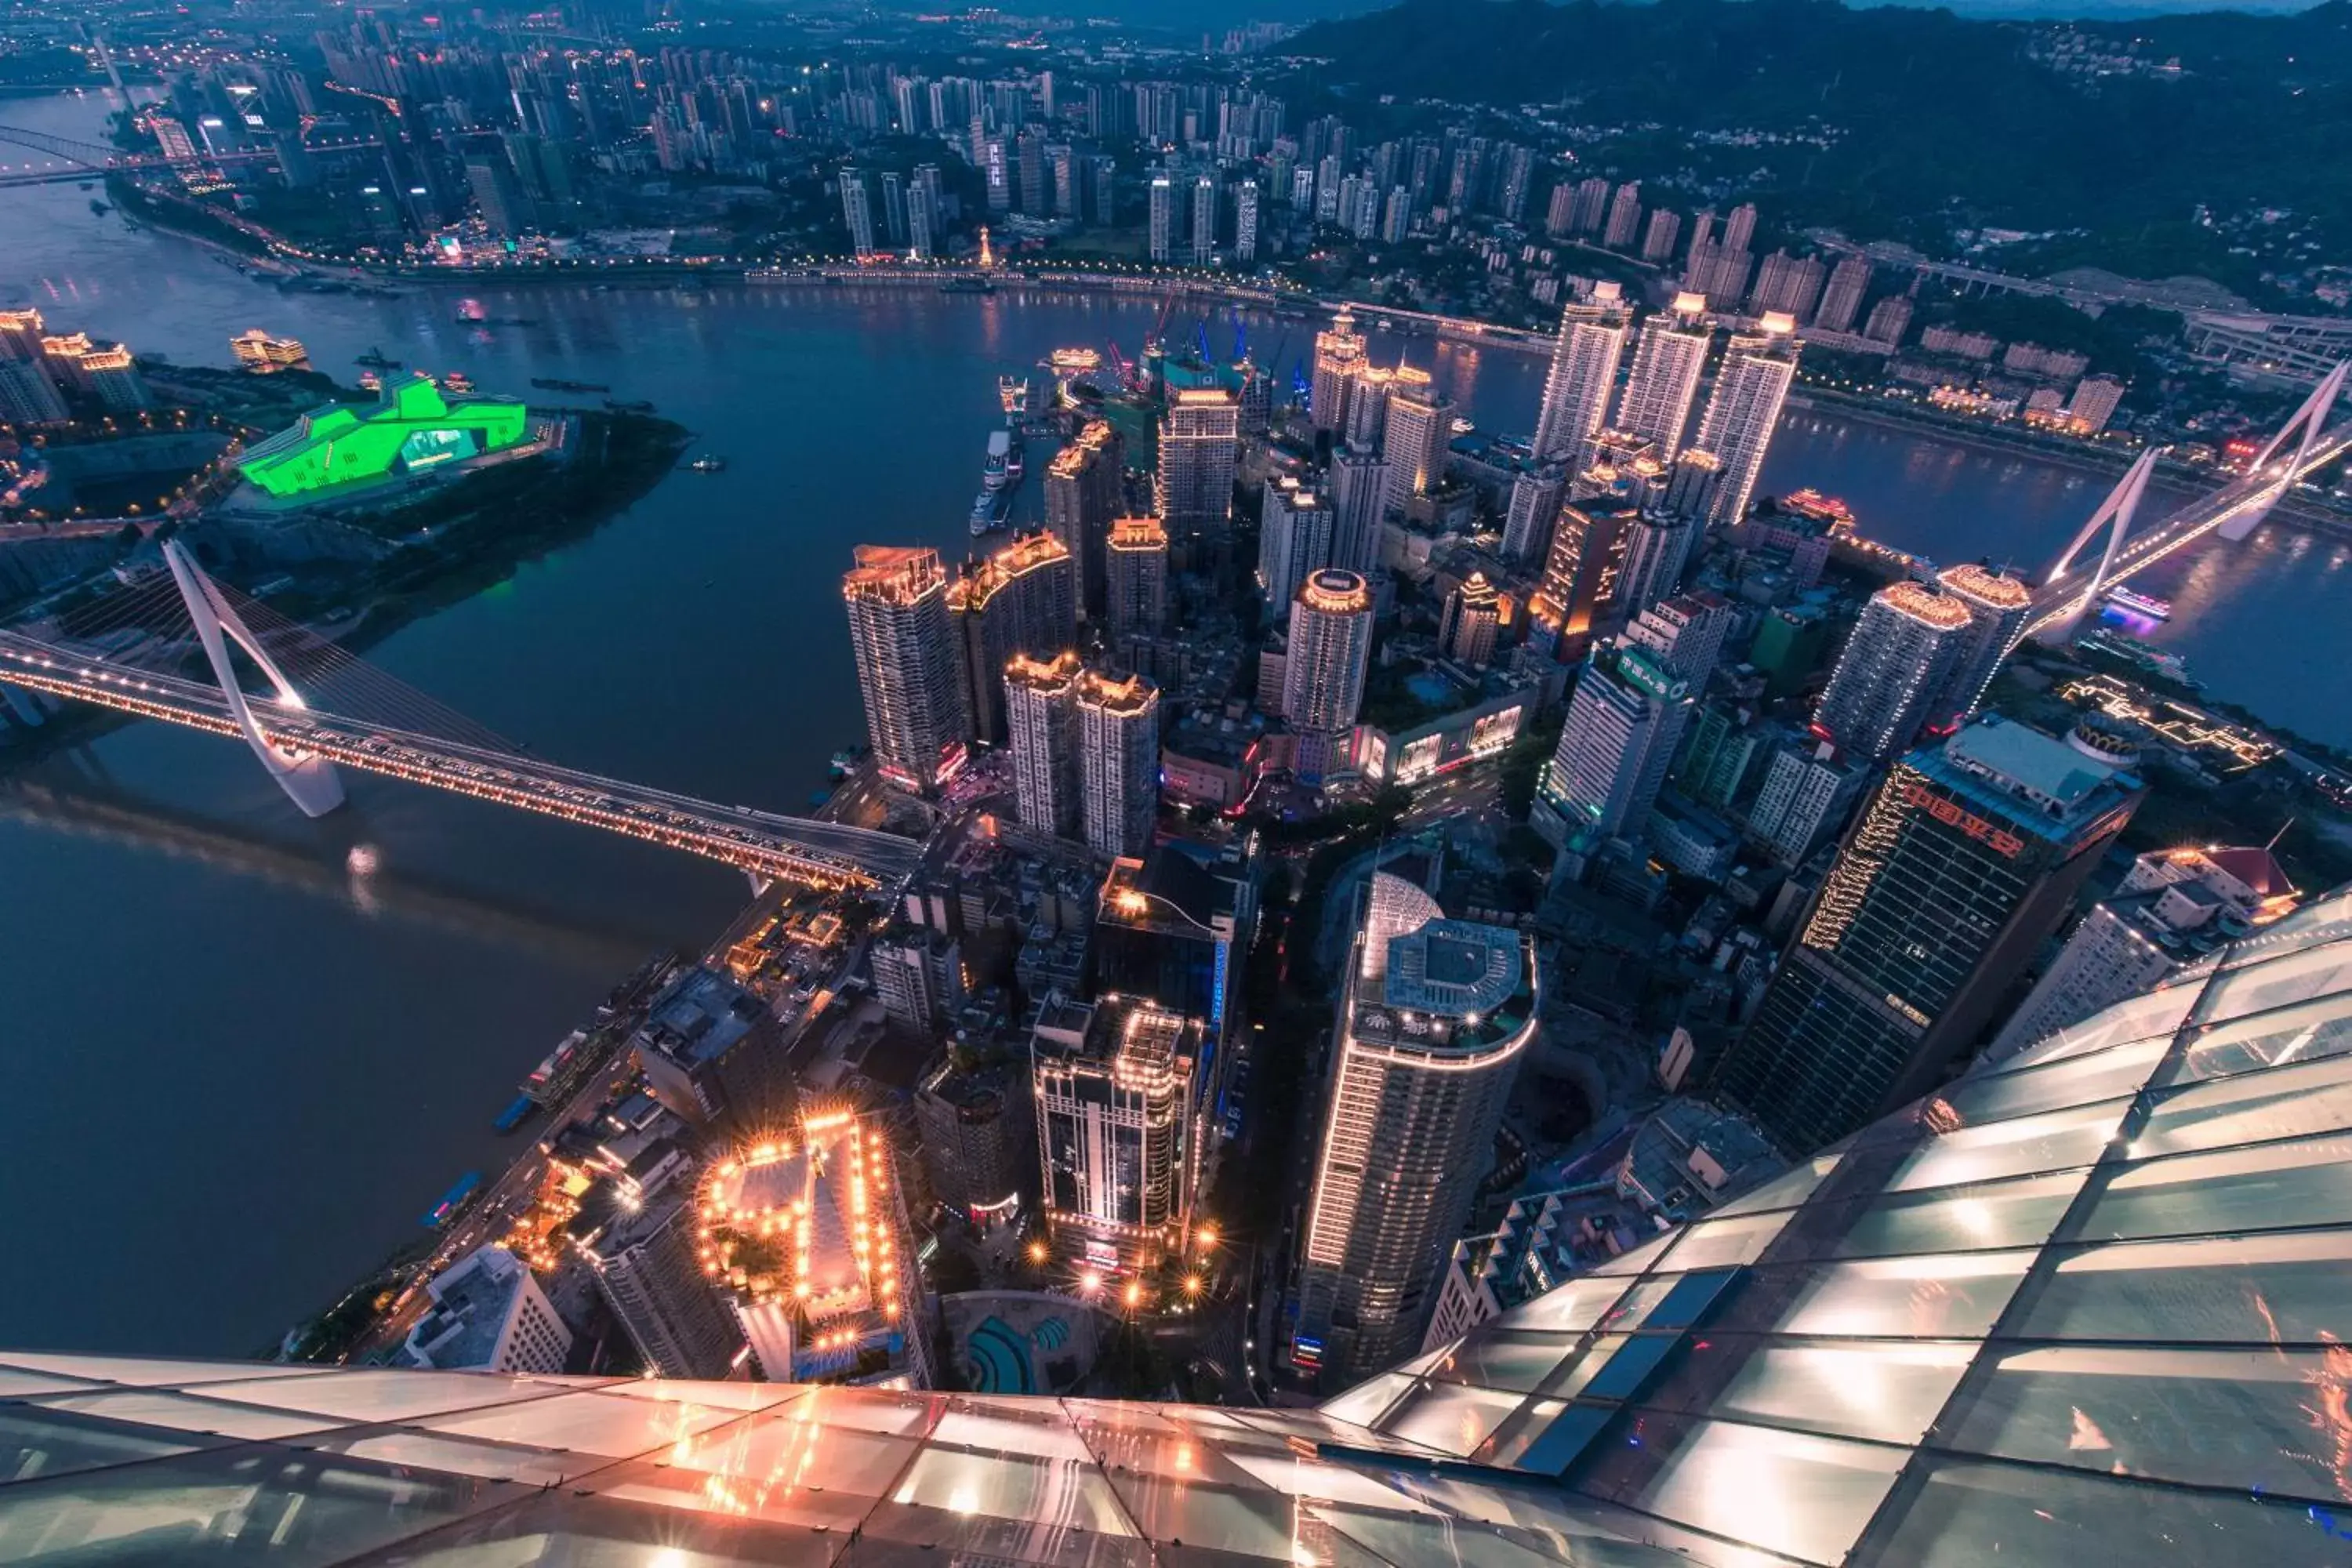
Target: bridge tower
(2115,514)
(309,780)
(2309,421)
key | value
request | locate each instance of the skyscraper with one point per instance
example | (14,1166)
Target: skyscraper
(1805,794)
(1020,599)
(636,1234)
(1667,359)
(1339,354)
(923,212)
(1084,486)
(1997,605)
(1842,299)
(1467,627)
(1041,722)
(1330,647)
(1657,548)
(27,395)
(1294,539)
(1367,424)
(1584,359)
(857,211)
(1686,633)
(1359,484)
(1170,926)
(1200,446)
(1897,665)
(1204,221)
(1163,237)
(1536,496)
(1955,874)
(1246,199)
(1136,568)
(1665,226)
(1119,1126)
(1420,433)
(1579,576)
(1625,216)
(1744,409)
(1118,762)
(904,643)
(1625,720)
(1434,1017)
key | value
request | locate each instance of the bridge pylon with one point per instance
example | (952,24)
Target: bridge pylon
(310,782)
(2115,514)
(2308,422)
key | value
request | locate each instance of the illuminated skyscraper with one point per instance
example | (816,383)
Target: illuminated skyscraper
(1997,605)
(1744,409)
(1536,496)
(27,395)
(1434,1017)
(1331,648)
(1135,567)
(1200,445)
(1022,599)
(1467,626)
(1084,486)
(1294,539)
(1163,218)
(1246,200)
(1118,762)
(1118,1085)
(857,211)
(1584,359)
(1041,720)
(1204,221)
(1420,433)
(907,671)
(1896,665)
(1659,390)
(637,1235)
(1953,876)
(1359,483)
(1339,352)
(1686,633)
(1580,577)
(1625,720)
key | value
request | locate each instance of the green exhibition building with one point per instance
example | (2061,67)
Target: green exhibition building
(412,428)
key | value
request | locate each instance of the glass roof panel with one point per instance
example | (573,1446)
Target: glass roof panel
(2018,1148)
(1449,1417)
(1954,1296)
(1573,1306)
(384,1394)
(2283,1102)
(2152,1017)
(2057,1086)
(2021,1213)
(1786,1190)
(142,1372)
(589,1423)
(35,1444)
(2305,1031)
(1498,1359)
(2286,1288)
(1721,1243)
(1363,1403)
(2293,978)
(1003,1487)
(2272,1186)
(1786,1491)
(1886,1392)
(186,1413)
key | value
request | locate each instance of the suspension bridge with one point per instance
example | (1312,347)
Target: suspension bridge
(72,159)
(2304,446)
(138,652)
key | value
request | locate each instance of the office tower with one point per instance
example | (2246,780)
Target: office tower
(805,1236)
(1897,664)
(918,976)
(1536,496)
(908,669)
(2173,909)
(1667,359)
(1998,606)
(1744,410)
(1420,435)
(1579,576)
(857,211)
(1625,720)
(1806,794)
(1657,548)
(1625,216)
(1041,723)
(1889,320)
(1199,445)
(1022,599)
(27,395)
(1338,355)
(1294,539)
(1658,239)
(1171,925)
(1163,218)
(1842,299)
(1583,374)
(1433,1018)
(2095,400)
(1084,487)
(1359,484)
(974,1128)
(1204,221)
(638,1240)
(1118,762)
(1118,1085)
(1956,871)
(113,377)
(488,1315)
(1330,647)
(501,201)
(1367,424)
(1467,627)
(1246,197)
(1739,228)
(1135,601)
(712,1053)
(1686,633)
(894,207)
(1790,284)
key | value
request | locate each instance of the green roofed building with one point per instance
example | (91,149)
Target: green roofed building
(412,428)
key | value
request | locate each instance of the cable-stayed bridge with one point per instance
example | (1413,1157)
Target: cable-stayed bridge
(145,652)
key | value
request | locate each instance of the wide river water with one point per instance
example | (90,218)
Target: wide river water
(240,1075)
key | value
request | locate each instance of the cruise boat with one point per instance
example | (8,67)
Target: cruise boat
(988,510)
(997,471)
(2123,597)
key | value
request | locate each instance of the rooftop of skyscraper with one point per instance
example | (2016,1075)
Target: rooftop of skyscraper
(1336,592)
(1923,605)
(984,578)
(896,572)
(1988,585)
(2026,774)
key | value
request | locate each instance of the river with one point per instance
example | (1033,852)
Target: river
(241,1076)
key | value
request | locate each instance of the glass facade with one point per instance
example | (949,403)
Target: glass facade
(2087,1304)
